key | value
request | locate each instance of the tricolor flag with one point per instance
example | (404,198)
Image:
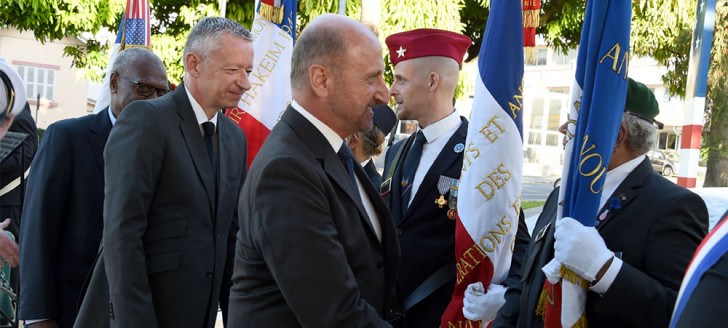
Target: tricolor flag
(134,31)
(260,107)
(489,193)
(597,104)
(712,249)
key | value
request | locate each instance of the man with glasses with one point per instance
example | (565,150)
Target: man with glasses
(62,216)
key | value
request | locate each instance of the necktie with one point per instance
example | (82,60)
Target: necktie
(346,158)
(409,169)
(209,128)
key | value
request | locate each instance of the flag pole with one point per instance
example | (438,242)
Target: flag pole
(342,7)
(223,7)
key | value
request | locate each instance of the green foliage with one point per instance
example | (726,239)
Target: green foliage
(715,136)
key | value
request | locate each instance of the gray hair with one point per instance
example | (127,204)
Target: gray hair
(204,36)
(641,133)
(124,61)
(321,45)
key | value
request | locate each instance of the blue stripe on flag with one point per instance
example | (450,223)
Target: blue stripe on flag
(602,74)
(501,58)
(290,8)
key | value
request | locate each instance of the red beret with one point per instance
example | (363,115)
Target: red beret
(426,42)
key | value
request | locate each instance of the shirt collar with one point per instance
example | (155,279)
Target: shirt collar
(332,137)
(111,117)
(441,127)
(199,112)
(616,176)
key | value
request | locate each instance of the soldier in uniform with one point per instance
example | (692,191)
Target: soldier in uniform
(420,170)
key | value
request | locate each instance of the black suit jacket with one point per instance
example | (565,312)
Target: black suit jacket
(372,173)
(707,304)
(166,219)
(62,217)
(656,230)
(307,255)
(14,165)
(427,235)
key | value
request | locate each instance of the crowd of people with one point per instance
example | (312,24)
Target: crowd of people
(146,215)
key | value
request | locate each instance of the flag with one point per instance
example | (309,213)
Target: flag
(595,115)
(134,31)
(488,195)
(260,107)
(712,249)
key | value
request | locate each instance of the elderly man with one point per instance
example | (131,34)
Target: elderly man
(643,239)
(174,167)
(418,171)
(316,246)
(62,217)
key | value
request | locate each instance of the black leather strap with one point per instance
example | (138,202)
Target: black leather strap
(442,276)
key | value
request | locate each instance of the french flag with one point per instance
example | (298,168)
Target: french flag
(489,192)
(259,109)
(134,31)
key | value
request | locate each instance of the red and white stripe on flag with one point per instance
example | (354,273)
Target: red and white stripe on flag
(260,107)
(489,192)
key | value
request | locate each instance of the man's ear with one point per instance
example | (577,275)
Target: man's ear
(621,136)
(192,63)
(320,79)
(433,81)
(114,83)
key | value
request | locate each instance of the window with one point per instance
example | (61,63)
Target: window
(539,56)
(38,80)
(563,59)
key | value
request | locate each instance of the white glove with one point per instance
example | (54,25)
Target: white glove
(478,305)
(580,248)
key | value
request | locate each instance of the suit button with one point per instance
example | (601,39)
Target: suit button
(217,236)
(399,232)
(596,224)
(209,274)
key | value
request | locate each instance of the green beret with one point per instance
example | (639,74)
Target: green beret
(641,101)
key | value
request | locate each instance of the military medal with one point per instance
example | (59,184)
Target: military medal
(443,186)
(453,199)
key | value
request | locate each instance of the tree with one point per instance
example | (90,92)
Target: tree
(715,136)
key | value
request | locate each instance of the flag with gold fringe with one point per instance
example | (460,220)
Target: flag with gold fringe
(597,104)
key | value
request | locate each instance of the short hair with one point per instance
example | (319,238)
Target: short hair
(204,36)
(641,133)
(372,142)
(322,45)
(124,61)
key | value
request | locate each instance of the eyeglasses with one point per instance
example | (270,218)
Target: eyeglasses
(144,89)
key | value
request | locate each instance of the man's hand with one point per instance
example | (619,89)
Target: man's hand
(43,324)
(580,248)
(478,305)
(8,247)
(6,125)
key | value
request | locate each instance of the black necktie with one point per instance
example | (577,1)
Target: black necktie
(346,158)
(409,169)
(209,128)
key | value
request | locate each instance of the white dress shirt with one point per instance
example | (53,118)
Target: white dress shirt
(200,113)
(336,142)
(436,136)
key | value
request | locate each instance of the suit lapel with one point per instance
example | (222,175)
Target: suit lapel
(100,129)
(444,161)
(196,146)
(623,195)
(330,162)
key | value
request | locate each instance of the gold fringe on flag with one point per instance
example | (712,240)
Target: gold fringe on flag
(531,18)
(573,278)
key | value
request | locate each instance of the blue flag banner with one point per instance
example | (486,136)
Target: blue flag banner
(601,77)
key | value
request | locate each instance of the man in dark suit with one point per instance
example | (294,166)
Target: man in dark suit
(648,228)
(174,167)
(701,301)
(418,171)
(316,246)
(62,217)
(366,144)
